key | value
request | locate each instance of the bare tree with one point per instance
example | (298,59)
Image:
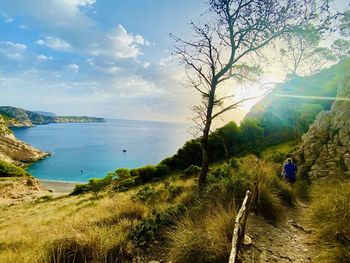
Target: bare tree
(220,51)
(299,44)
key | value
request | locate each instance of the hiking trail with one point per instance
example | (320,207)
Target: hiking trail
(284,241)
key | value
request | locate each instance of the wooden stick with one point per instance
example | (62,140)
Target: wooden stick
(239,228)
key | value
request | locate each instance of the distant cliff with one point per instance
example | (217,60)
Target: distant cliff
(16,117)
(15,151)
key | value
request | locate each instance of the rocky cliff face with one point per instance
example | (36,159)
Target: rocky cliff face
(325,148)
(15,151)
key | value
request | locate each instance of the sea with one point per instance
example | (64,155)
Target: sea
(81,151)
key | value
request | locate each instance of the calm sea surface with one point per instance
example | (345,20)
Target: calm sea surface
(85,150)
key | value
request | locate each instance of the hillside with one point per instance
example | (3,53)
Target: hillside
(15,151)
(286,113)
(155,213)
(16,117)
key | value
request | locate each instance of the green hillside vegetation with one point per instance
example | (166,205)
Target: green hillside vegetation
(11,170)
(121,223)
(283,119)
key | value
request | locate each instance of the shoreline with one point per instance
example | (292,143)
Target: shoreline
(58,186)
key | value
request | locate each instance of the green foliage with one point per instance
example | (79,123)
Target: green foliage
(149,173)
(189,154)
(191,170)
(95,185)
(174,191)
(149,228)
(11,170)
(144,194)
(122,173)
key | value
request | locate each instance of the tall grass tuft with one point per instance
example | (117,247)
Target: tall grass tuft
(330,215)
(203,239)
(71,250)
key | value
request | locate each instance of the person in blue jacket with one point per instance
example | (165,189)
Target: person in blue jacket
(289,171)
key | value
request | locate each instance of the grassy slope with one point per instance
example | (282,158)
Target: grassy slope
(100,227)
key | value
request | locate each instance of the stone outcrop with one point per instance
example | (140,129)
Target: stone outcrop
(325,148)
(15,151)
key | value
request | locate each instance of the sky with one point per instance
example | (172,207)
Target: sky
(106,58)
(103,58)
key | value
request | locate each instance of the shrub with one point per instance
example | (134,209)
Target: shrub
(174,191)
(11,170)
(125,184)
(192,170)
(149,172)
(204,239)
(148,229)
(122,173)
(95,185)
(80,189)
(144,194)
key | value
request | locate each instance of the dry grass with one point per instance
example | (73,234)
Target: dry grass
(63,229)
(330,215)
(203,239)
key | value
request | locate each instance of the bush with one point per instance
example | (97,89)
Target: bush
(149,172)
(148,229)
(11,170)
(95,185)
(122,173)
(144,194)
(174,191)
(124,185)
(191,170)
(204,239)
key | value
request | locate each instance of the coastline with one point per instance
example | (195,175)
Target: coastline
(58,186)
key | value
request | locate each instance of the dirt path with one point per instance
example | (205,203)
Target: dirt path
(286,241)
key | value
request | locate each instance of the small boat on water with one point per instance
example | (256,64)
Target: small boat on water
(124,150)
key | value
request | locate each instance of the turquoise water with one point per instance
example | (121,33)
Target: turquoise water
(96,148)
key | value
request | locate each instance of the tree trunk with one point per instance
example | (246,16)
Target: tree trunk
(204,142)
(205,163)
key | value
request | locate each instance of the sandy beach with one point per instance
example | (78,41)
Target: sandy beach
(58,187)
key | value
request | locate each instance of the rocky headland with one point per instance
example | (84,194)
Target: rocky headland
(15,151)
(16,117)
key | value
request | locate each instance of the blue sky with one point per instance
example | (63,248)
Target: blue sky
(101,58)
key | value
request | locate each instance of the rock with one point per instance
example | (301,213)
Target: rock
(247,241)
(325,148)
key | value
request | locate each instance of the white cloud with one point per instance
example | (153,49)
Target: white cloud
(54,43)
(16,46)
(82,2)
(43,57)
(73,67)
(119,44)
(146,65)
(7,18)
(12,50)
